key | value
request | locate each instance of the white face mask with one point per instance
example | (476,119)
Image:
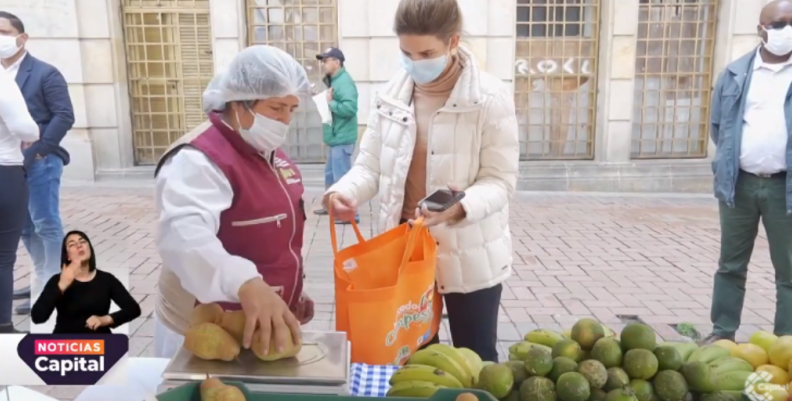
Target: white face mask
(266,134)
(779,41)
(8,46)
(424,71)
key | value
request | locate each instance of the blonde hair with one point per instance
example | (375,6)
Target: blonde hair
(440,18)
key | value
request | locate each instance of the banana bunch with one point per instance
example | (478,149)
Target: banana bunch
(435,367)
(710,369)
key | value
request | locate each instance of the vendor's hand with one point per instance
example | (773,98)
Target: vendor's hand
(94,322)
(266,310)
(344,209)
(330,95)
(305,309)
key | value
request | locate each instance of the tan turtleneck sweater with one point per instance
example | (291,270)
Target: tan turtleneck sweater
(427,100)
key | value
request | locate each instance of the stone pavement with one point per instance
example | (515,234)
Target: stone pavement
(601,255)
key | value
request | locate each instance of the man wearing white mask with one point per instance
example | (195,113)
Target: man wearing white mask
(47,97)
(231,214)
(750,125)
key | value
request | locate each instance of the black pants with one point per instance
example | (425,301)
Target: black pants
(473,321)
(13,215)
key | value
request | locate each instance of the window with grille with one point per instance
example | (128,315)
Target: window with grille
(555,77)
(302,28)
(673,73)
(169,63)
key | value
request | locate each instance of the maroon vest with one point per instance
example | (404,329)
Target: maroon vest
(266,219)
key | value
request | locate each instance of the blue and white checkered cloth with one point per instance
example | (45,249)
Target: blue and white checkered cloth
(370,380)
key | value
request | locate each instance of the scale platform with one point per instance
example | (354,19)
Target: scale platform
(321,367)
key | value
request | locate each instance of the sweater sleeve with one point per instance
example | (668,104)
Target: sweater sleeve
(129,309)
(47,301)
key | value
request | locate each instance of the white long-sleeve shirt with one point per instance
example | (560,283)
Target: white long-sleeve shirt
(16,124)
(191,193)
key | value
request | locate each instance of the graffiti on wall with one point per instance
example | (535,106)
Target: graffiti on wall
(553,66)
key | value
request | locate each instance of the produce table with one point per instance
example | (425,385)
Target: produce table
(145,374)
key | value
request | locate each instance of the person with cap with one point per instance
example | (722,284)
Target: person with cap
(341,134)
(230,208)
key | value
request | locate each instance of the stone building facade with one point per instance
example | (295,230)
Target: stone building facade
(611,95)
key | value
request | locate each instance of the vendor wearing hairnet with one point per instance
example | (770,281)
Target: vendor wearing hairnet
(231,214)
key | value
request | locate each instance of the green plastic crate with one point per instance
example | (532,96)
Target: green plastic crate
(192,392)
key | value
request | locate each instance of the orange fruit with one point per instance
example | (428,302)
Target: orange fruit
(750,353)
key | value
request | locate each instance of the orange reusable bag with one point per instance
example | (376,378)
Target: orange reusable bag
(386,298)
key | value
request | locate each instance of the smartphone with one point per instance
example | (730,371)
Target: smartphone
(442,199)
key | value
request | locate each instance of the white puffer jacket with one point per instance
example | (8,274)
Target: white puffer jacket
(473,145)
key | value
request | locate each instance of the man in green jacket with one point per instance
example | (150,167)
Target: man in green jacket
(341,134)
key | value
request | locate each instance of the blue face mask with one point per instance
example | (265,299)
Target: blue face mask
(424,71)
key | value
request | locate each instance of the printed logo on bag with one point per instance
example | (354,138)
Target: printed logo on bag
(410,313)
(758,387)
(66,359)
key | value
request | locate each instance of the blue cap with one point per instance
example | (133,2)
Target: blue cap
(331,52)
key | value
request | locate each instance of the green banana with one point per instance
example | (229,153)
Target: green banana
(520,350)
(416,389)
(685,349)
(543,337)
(729,364)
(424,373)
(454,354)
(474,360)
(439,360)
(708,353)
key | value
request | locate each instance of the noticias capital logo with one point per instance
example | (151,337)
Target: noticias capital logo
(72,359)
(65,356)
(759,388)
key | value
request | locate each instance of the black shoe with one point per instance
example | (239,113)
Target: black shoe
(23,309)
(22,293)
(320,212)
(712,338)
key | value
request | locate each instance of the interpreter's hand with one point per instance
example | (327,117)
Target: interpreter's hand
(305,309)
(94,322)
(344,209)
(330,95)
(68,274)
(265,309)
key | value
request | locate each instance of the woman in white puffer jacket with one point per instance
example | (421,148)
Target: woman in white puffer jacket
(442,122)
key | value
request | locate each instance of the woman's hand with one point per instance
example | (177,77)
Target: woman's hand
(344,209)
(68,274)
(451,215)
(95,322)
(305,309)
(266,310)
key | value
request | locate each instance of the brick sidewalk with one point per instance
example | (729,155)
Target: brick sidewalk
(575,255)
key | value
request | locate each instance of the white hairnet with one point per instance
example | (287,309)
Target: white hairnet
(256,73)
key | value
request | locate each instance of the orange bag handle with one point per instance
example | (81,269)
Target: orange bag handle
(411,242)
(333,237)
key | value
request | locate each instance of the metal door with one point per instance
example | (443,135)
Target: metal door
(169,63)
(556,77)
(673,73)
(302,28)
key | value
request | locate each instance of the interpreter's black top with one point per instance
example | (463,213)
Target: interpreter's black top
(82,300)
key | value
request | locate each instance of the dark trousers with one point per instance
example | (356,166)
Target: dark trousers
(473,321)
(13,215)
(756,200)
